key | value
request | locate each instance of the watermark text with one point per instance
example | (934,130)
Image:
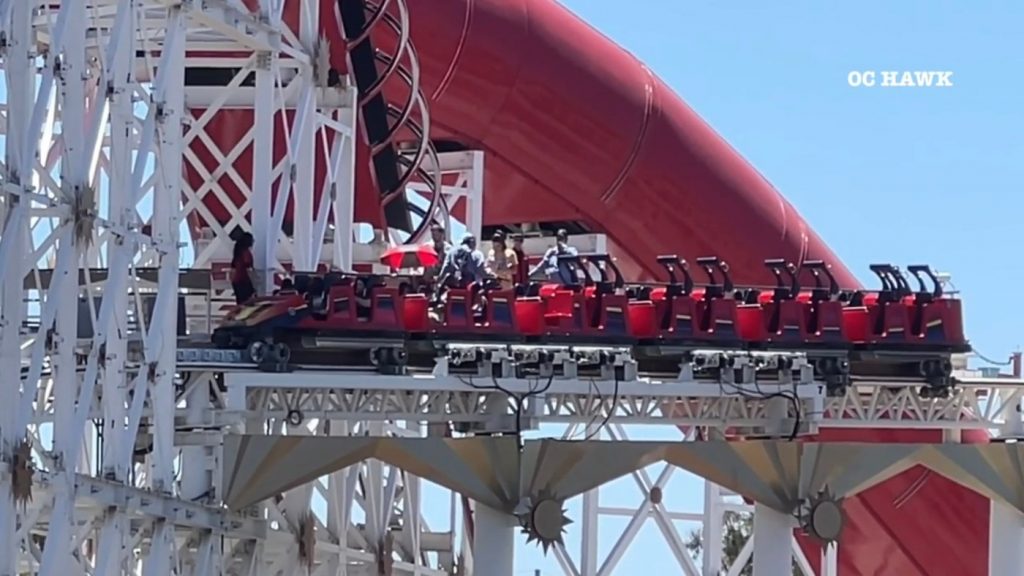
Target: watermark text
(900,78)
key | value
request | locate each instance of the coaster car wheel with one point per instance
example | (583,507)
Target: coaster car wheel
(257,351)
(281,353)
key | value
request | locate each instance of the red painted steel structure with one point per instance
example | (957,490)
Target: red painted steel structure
(581,128)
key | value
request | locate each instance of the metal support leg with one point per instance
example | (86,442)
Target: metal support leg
(67,438)
(262,177)
(20,87)
(712,530)
(117,440)
(196,478)
(344,192)
(773,530)
(1006,525)
(830,560)
(494,542)
(304,134)
(1006,541)
(589,520)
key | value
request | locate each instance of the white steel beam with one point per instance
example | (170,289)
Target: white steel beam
(652,507)
(71,70)
(262,166)
(303,145)
(711,531)
(830,560)
(244,97)
(162,335)
(1006,525)
(139,503)
(19,74)
(121,212)
(589,522)
(343,191)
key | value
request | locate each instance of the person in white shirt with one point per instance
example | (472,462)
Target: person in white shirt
(549,262)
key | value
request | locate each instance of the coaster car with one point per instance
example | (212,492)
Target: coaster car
(685,314)
(334,304)
(787,316)
(483,310)
(581,309)
(899,317)
(600,307)
(577,309)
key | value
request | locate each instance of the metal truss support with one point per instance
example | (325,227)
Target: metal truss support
(439,398)
(652,508)
(462,176)
(652,488)
(108,463)
(393,532)
(293,103)
(442,398)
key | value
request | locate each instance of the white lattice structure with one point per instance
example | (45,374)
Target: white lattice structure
(125,437)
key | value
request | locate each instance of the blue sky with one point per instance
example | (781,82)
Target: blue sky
(897,175)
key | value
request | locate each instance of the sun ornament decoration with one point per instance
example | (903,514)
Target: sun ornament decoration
(543,520)
(821,516)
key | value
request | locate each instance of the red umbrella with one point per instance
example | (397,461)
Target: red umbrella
(409,256)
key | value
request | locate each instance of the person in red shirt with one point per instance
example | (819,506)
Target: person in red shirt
(241,269)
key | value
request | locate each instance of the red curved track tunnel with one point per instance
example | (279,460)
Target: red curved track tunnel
(575,128)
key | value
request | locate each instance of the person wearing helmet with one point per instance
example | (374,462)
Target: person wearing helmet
(548,264)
